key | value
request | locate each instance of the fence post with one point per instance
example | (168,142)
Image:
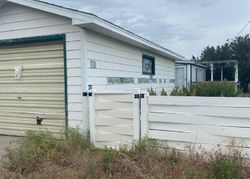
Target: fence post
(140,110)
(144,116)
(136,117)
(92,127)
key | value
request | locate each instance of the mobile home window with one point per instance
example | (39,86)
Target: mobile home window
(148,65)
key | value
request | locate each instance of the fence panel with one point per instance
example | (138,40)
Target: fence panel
(181,122)
(111,119)
(199,122)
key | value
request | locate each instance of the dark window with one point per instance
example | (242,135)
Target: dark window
(148,65)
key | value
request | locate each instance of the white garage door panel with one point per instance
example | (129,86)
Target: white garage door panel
(38,93)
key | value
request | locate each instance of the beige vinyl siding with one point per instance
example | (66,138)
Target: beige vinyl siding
(20,22)
(117,59)
(38,93)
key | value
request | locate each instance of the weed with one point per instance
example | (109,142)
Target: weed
(91,169)
(163,92)
(38,147)
(180,92)
(152,92)
(172,157)
(108,159)
(30,151)
(40,155)
(194,173)
(225,166)
(77,140)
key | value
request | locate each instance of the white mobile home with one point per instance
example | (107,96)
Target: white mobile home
(188,72)
(50,55)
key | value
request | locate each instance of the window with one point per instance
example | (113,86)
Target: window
(148,65)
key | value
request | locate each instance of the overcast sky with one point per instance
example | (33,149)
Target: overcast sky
(184,26)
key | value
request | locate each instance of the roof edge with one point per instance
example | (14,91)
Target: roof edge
(190,63)
(81,18)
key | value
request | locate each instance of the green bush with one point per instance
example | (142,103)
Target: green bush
(249,88)
(223,88)
(217,89)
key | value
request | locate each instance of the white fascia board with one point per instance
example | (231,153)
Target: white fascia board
(43,6)
(124,33)
(82,18)
(189,63)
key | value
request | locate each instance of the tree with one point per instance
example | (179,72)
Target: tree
(195,59)
(241,52)
(238,49)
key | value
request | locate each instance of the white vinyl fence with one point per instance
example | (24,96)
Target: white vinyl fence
(181,122)
(199,122)
(111,119)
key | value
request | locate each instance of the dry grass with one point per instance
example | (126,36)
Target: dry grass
(41,156)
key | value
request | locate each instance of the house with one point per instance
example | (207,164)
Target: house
(51,55)
(189,72)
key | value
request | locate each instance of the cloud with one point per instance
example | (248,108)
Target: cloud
(184,26)
(203,3)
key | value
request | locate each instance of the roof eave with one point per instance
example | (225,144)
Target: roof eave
(84,19)
(190,63)
(125,36)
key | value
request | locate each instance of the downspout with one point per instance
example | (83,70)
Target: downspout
(191,77)
(186,75)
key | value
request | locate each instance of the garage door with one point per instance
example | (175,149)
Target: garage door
(32,88)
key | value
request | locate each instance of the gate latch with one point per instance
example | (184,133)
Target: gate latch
(139,96)
(85,94)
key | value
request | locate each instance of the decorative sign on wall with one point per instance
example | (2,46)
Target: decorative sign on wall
(148,65)
(146,80)
(18,72)
(172,81)
(119,80)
